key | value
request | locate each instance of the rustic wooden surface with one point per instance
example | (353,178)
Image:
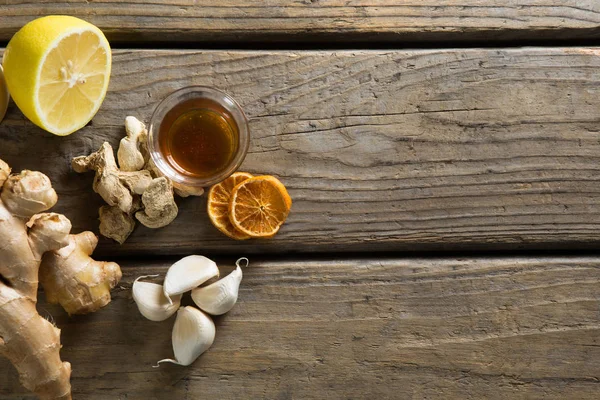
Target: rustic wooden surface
(326,21)
(355,329)
(381,150)
(449,149)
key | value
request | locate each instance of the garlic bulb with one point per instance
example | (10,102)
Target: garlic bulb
(219,297)
(187,274)
(193,334)
(151,300)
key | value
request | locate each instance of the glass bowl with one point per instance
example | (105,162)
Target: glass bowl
(163,161)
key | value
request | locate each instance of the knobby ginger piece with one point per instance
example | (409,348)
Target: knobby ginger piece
(28,340)
(115,224)
(137,181)
(160,208)
(186,191)
(28,193)
(72,279)
(113,185)
(129,154)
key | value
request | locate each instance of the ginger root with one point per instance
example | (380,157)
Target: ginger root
(129,155)
(133,188)
(29,341)
(72,279)
(115,186)
(160,208)
(115,224)
(29,194)
(186,191)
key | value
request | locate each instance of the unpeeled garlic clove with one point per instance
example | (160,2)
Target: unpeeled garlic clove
(187,274)
(151,300)
(219,297)
(193,334)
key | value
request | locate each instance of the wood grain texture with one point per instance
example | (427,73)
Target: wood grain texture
(355,329)
(400,150)
(326,21)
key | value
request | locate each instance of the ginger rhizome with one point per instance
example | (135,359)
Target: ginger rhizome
(115,186)
(27,236)
(72,279)
(129,154)
(134,187)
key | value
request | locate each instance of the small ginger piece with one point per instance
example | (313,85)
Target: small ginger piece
(77,282)
(160,208)
(137,181)
(115,224)
(129,155)
(186,191)
(113,185)
(106,182)
(29,341)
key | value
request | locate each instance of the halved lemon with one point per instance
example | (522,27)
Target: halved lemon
(57,70)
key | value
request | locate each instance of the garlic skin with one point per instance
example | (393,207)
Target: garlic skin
(151,300)
(193,334)
(187,274)
(221,296)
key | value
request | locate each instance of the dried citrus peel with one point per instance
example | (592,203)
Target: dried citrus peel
(259,206)
(219,197)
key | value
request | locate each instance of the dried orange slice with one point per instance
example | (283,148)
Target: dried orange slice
(259,206)
(219,197)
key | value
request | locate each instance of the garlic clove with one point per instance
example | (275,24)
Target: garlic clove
(187,274)
(219,297)
(151,300)
(193,334)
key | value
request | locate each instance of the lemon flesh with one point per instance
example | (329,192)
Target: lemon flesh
(57,70)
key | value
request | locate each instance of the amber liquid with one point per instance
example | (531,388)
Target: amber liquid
(198,137)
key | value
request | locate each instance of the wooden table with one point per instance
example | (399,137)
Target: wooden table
(446,198)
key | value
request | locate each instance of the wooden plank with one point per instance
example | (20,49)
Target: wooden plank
(507,328)
(398,150)
(240,21)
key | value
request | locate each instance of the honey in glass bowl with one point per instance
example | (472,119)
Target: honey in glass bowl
(198,136)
